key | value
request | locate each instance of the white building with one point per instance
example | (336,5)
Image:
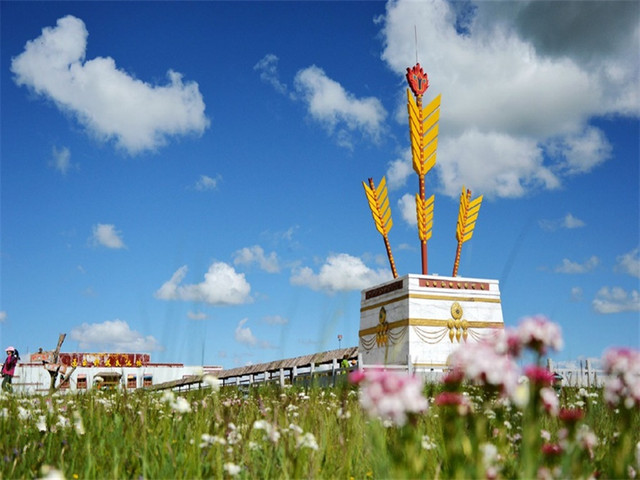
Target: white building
(83,371)
(417,321)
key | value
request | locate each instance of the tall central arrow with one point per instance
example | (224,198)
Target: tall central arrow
(423,132)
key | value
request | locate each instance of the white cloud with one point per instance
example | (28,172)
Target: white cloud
(222,285)
(616,300)
(197,315)
(110,103)
(568,266)
(255,254)
(3,316)
(206,182)
(243,334)
(629,263)
(61,159)
(275,320)
(339,111)
(580,152)
(568,222)
(509,95)
(493,163)
(107,236)
(268,68)
(576,294)
(572,222)
(399,170)
(407,205)
(341,272)
(114,335)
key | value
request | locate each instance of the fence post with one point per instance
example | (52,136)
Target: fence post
(549,364)
(588,373)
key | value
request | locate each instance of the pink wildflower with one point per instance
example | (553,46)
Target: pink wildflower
(539,334)
(507,342)
(356,376)
(551,449)
(622,366)
(539,376)
(482,365)
(570,416)
(453,378)
(391,396)
(550,401)
(453,399)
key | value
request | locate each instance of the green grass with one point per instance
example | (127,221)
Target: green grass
(311,433)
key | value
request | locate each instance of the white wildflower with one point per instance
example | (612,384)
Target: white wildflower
(307,440)
(211,381)
(181,405)
(427,443)
(50,473)
(41,424)
(232,469)
(77,423)
(63,422)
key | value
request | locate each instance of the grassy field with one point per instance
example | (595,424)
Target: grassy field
(488,418)
(313,433)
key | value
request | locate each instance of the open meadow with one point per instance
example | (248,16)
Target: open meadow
(488,418)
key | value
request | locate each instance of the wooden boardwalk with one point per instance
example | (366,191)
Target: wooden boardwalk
(284,372)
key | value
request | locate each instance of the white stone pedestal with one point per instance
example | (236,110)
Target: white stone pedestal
(418,320)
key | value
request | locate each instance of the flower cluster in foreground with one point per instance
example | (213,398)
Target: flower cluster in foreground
(389,395)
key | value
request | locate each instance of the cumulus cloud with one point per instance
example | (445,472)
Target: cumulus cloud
(568,221)
(517,89)
(568,266)
(3,316)
(106,235)
(107,101)
(616,300)
(61,160)
(407,205)
(268,68)
(399,170)
(339,111)
(576,294)
(341,272)
(206,182)
(197,315)
(245,336)
(255,254)
(629,263)
(275,320)
(222,285)
(113,335)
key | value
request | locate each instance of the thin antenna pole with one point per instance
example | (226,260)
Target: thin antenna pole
(415,34)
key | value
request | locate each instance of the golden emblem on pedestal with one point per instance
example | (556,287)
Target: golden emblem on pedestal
(458,327)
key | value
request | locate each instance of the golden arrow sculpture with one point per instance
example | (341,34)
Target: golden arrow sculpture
(467,217)
(423,132)
(379,205)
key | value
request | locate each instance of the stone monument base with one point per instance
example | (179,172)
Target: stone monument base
(419,320)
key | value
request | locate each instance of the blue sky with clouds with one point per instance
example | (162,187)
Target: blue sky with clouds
(185,178)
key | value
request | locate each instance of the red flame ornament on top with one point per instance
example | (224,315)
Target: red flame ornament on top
(418,80)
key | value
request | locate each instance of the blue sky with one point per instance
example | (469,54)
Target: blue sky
(185,178)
